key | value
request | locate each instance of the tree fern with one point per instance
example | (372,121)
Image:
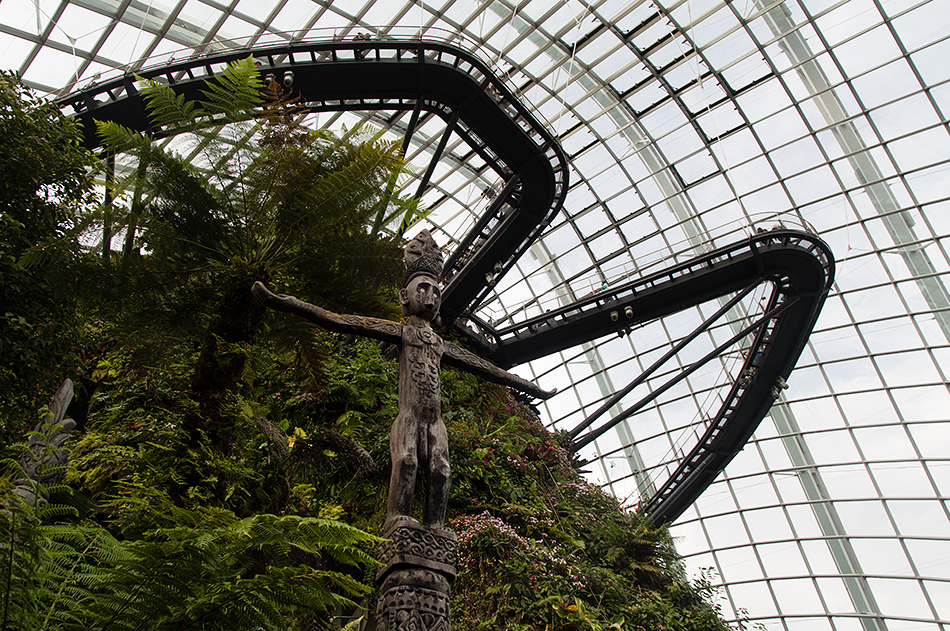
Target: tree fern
(204,570)
(273,181)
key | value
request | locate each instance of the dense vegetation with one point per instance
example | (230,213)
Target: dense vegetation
(229,467)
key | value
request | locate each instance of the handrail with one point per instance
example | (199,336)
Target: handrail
(588,318)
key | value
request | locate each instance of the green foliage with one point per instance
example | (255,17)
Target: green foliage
(242,192)
(223,573)
(45,176)
(360,380)
(44,184)
(136,439)
(246,191)
(198,569)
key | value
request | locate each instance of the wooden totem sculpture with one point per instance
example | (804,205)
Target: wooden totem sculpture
(418,558)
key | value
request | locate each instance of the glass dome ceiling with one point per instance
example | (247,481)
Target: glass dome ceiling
(688,125)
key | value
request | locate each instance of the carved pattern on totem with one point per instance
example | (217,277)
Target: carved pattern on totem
(412,608)
(419,543)
(425,373)
(383,326)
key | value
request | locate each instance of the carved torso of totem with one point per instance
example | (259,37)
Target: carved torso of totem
(419,361)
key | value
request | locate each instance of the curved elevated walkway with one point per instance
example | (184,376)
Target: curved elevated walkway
(798,265)
(802,268)
(418,76)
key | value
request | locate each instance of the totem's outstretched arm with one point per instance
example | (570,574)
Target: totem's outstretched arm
(359,325)
(461,358)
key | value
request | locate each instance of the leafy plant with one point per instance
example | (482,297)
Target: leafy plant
(199,569)
(244,192)
(45,186)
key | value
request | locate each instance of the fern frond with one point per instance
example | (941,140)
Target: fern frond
(235,92)
(399,214)
(57,249)
(119,138)
(185,577)
(168,108)
(351,189)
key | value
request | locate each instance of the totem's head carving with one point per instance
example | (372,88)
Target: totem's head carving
(420,294)
(422,256)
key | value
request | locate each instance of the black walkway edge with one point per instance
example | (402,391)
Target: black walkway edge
(801,267)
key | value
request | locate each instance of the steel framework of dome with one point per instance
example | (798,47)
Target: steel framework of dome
(687,127)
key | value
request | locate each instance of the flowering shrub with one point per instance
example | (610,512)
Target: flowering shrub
(504,576)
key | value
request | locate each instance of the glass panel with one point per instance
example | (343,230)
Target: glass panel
(852,129)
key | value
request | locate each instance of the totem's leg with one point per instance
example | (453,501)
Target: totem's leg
(403,447)
(417,562)
(438,476)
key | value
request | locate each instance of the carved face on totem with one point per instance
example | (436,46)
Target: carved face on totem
(420,294)
(421,297)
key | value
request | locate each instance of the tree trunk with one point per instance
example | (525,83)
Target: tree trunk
(223,357)
(138,205)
